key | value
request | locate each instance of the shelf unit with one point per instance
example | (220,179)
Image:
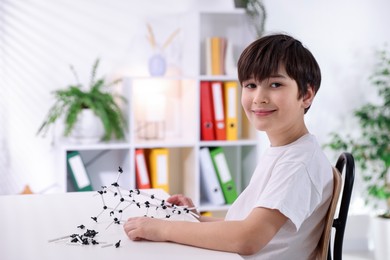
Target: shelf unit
(175,103)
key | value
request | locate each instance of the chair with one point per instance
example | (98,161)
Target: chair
(324,251)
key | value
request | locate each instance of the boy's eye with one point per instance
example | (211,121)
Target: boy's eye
(275,85)
(250,85)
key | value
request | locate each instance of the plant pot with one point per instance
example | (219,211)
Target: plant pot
(381,237)
(88,128)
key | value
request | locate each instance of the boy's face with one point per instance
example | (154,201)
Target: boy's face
(273,105)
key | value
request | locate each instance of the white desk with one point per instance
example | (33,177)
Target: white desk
(28,222)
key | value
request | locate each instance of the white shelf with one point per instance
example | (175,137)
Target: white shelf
(179,98)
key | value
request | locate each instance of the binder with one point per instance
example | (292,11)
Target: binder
(219,113)
(78,172)
(142,173)
(209,180)
(159,168)
(231,109)
(224,176)
(206,112)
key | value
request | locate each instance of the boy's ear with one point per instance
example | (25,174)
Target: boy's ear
(309,96)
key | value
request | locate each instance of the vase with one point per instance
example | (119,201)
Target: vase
(381,237)
(88,128)
(157,65)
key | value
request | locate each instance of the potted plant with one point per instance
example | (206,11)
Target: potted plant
(77,105)
(371,149)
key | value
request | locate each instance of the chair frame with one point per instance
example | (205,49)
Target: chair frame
(345,160)
(323,244)
(324,251)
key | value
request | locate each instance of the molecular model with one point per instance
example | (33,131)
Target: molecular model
(116,200)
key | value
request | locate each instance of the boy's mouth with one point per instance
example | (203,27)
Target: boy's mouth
(263,112)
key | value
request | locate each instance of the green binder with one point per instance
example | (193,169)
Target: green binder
(225,179)
(78,172)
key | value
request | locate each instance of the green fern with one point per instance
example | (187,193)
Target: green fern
(72,100)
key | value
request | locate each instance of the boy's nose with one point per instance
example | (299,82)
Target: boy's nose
(261,96)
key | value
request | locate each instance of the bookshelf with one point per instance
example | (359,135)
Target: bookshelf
(164,112)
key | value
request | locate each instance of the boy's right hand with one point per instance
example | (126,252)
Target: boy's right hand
(181,200)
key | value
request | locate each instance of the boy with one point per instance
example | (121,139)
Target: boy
(280,214)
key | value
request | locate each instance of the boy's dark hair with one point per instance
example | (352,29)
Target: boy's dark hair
(262,58)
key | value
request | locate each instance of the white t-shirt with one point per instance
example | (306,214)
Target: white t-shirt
(297,180)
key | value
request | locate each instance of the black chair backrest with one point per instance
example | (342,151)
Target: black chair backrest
(346,161)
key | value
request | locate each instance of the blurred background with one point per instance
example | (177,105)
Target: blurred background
(40,39)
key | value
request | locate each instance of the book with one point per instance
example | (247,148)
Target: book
(215,49)
(216,56)
(78,172)
(208,56)
(222,55)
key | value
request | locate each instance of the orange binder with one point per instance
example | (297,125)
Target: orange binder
(219,113)
(206,112)
(231,109)
(159,168)
(142,173)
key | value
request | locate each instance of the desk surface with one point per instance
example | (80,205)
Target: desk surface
(28,222)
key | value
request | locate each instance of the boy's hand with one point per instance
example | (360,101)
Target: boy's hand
(145,228)
(181,200)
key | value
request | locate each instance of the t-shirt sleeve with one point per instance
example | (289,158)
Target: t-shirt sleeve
(290,191)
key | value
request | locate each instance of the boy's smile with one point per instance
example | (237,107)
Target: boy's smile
(273,106)
(263,112)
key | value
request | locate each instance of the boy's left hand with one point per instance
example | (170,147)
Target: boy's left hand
(145,228)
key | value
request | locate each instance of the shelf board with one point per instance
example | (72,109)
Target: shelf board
(163,143)
(211,207)
(225,11)
(246,142)
(149,78)
(218,77)
(112,145)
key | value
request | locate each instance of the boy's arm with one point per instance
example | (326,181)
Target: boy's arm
(244,237)
(209,219)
